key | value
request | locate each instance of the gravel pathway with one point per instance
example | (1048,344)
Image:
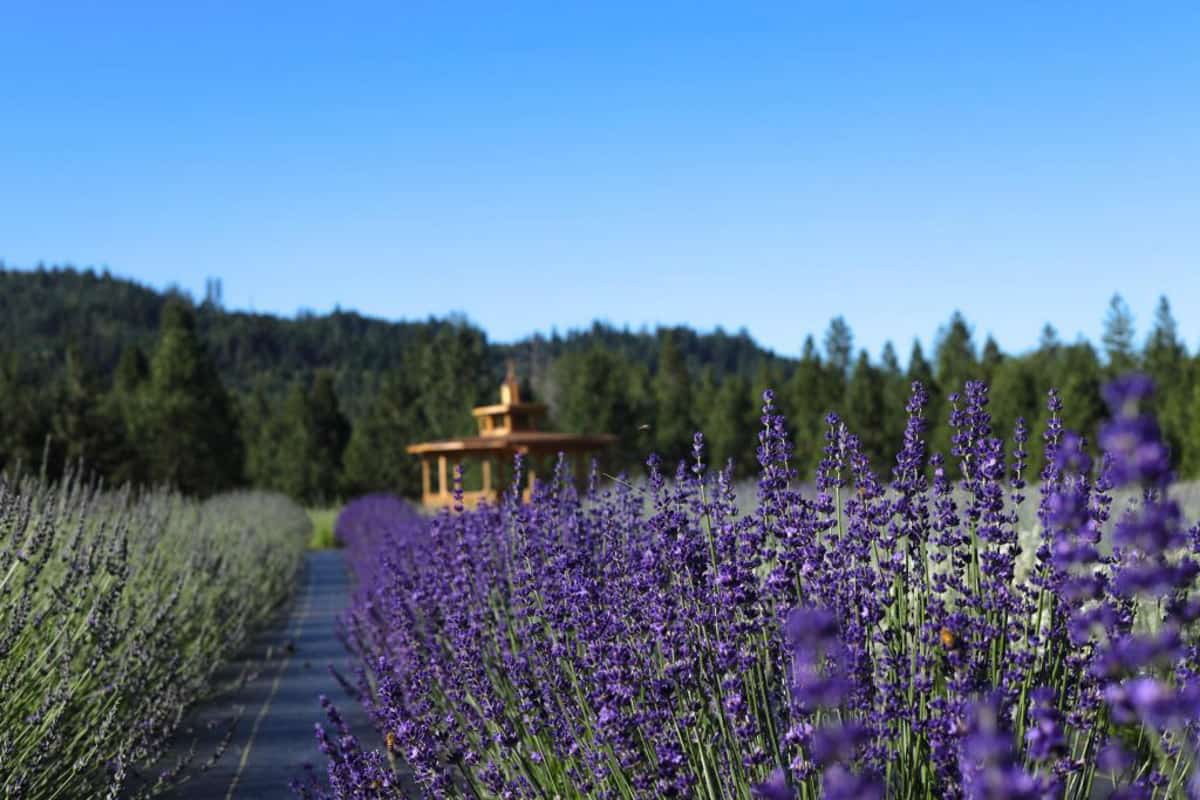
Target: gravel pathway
(273,737)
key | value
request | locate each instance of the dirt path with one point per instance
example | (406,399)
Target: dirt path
(274,737)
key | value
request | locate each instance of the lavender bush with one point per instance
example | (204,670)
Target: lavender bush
(866,640)
(115,610)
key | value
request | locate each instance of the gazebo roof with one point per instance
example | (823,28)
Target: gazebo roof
(504,408)
(505,429)
(543,441)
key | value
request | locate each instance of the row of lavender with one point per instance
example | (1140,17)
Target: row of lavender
(902,640)
(115,611)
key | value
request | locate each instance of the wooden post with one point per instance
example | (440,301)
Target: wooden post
(486,464)
(425,478)
(443,486)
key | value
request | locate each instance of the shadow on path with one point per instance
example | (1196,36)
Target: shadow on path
(274,736)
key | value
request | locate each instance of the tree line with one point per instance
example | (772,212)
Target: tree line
(150,387)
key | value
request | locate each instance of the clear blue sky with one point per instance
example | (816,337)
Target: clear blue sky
(539,165)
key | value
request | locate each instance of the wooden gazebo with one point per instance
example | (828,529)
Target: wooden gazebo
(505,429)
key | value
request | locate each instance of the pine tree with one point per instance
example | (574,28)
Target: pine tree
(729,424)
(297,451)
(673,423)
(599,391)
(331,434)
(1166,360)
(24,418)
(865,413)
(1190,468)
(132,371)
(990,359)
(121,405)
(1079,379)
(83,429)
(896,391)
(806,400)
(954,355)
(920,370)
(263,433)
(1118,337)
(839,351)
(184,423)
(452,369)
(375,459)
(1014,394)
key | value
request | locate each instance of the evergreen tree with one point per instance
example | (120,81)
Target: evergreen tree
(1015,394)
(131,372)
(599,391)
(375,459)
(1118,337)
(839,350)
(990,359)
(185,424)
(865,413)
(1079,379)
(264,433)
(1048,338)
(806,401)
(954,355)
(1164,352)
(896,391)
(331,434)
(451,367)
(1166,360)
(920,370)
(1190,467)
(673,423)
(122,407)
(83,428)
(24,418)
(729,424)
(766,376)
(298,452)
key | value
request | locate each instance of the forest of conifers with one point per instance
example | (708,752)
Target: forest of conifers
(154,387)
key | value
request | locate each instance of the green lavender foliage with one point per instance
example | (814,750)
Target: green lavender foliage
(115,611)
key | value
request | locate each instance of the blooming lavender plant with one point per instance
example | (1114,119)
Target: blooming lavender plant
(898,639)
(115,611)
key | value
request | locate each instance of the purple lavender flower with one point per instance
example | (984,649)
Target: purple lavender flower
(775,787)
(858,642)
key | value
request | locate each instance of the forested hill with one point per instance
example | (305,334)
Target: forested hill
(43,311)
(444,364)
(136,383)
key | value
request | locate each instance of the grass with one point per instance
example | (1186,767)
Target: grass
(322,536)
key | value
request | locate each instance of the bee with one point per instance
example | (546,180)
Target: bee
(391,742)
(948,638)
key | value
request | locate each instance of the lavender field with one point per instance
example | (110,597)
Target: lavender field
(116,609)
(914,637)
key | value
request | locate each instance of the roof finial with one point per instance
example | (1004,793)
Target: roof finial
(510,390)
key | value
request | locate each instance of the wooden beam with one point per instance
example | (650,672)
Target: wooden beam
(486,464)
(443,486)
(425,493)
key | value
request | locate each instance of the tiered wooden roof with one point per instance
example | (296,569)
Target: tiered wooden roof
(505,429)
